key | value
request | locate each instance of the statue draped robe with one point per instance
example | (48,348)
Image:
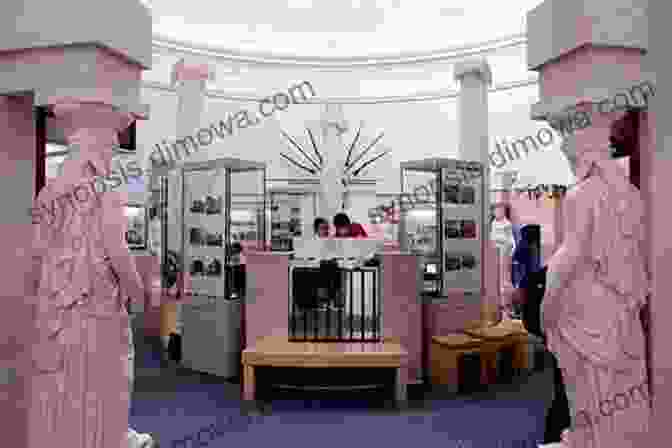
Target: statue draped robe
(592,314)
(79,390)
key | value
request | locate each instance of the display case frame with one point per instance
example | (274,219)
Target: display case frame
(460,206)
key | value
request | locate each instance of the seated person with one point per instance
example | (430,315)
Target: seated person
(321,228)
(347,229)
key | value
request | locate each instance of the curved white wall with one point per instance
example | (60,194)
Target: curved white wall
(382,96)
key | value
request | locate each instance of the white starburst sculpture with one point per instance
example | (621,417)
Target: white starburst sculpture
(334,165)
(333,179)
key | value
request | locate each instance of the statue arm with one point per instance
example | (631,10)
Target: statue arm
(562,265)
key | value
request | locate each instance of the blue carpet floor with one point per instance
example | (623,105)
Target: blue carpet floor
(447,423)
(178,415)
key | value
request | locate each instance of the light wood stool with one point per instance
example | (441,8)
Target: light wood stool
(521,351)
(445,353)
(508,334)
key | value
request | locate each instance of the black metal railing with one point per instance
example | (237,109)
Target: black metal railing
(333,304)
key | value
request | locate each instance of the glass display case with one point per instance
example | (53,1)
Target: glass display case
(444,221)
(215,210)
(211,214)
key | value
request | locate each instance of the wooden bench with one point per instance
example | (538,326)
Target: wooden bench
(277,351)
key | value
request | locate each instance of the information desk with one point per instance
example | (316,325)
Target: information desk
(277,351)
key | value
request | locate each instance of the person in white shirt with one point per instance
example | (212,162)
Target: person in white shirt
(501,234)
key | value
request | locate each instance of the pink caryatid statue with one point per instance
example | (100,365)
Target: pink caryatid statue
(79,385)
(597,285)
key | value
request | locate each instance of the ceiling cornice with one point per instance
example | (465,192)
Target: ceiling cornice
(418,97)
(162,43)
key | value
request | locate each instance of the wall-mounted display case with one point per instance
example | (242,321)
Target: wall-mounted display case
(444,222)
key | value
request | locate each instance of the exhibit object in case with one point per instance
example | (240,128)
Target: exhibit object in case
(442,220)
(213,240)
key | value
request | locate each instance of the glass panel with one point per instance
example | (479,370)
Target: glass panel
(247,216)
(165,231)
(422,223)
(204,230)
(247,224)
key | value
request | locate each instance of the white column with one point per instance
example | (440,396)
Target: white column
(474,77)
(189,80)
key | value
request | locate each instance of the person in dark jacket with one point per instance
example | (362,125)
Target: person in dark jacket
(526,260)
(530,297)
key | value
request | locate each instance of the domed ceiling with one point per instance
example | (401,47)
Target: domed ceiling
(337,29)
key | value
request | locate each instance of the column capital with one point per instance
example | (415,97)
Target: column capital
(74,115)
(477,67)
(184,71)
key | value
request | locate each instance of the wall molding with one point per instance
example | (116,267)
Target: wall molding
(166,44)
(418,97)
